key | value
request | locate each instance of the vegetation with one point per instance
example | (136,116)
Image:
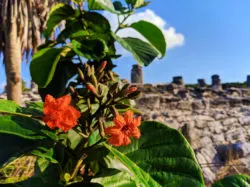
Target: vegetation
(87,132)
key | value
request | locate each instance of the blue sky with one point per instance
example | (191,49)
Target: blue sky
(204,37)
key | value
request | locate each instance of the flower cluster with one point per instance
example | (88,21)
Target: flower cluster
(59,113)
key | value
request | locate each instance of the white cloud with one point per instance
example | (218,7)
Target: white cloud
(2,86)
(173,38)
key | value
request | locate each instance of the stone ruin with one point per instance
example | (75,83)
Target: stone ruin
(215,121)
(137,74)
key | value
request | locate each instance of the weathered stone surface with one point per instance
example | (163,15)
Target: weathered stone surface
(137,74)
(215,127)
(234,135)
(229,121)
(218,139)
(198,105)
(184,105)
(205,141)
(245,120)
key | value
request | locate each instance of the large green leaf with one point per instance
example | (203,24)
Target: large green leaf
(161,157)
(90,49)
(58,13)
(8,106)
(140,177)
(234,181)
(111,177)
(153,34)
(101,5)
(65,70)
(43,65)
(25,128)
(143,52)
(11,108)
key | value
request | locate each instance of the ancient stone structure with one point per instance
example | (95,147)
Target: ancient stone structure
(214,122)
(216,82)
(248,81)
(178,80)
(201,83)
(137,74)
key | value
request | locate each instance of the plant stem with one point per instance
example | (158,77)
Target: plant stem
(78,165)
(16,114)
(119,27)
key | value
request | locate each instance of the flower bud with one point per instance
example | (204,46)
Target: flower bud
(101,127)
(111,75)
(80,73)
(92,88)
(114,87)
(88,71)
(71,89)
(92,70)
(132,89)
(94,80)
(102,66)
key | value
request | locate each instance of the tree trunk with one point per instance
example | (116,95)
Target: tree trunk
(13,60)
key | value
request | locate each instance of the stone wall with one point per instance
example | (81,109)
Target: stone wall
(215,122)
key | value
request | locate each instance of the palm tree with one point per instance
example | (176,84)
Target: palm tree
(21,24)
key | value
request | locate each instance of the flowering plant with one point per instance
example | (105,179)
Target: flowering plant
(87,132)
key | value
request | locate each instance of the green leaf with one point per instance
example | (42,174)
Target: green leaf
(90,49)
(58,13)
(101,5)
(118,5)
(168,160)
(35,108)
(153,34)
(46,153)
(142,51)
(140,177)
(65,70)
(74,139)
(233,181)
(94,138)
(8,106)
(109,177)
(11,108)
(25,128)
(45,60)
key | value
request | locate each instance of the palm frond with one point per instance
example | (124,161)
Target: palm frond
(30,17)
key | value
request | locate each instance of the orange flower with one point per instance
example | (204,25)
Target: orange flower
(59,113)
(124,128)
